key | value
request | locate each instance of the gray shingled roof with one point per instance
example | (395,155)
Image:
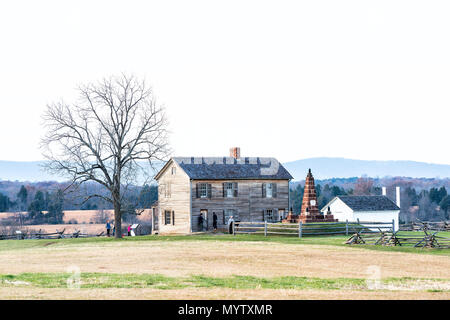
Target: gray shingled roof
(369,203)
(228,168)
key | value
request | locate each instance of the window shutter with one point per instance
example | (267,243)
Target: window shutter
(263,190)
(235,189)
(223,216)
(173,217)
(264,215)
(223,188)
(274,190)
(196,186)
(208,190)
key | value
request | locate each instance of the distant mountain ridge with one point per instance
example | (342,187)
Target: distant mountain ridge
(326,168)
(322,168)
(31,171)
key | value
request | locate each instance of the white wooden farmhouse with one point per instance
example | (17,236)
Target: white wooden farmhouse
(364,208)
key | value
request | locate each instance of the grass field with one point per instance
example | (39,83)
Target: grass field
(219,267)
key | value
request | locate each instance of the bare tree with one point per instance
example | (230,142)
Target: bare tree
(363,186)
(105,137)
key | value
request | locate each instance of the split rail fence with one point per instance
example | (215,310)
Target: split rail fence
(399,238)
(421,225)
(43,235)
(312,229)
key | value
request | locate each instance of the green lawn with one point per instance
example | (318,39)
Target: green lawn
(318,240)
(112,280)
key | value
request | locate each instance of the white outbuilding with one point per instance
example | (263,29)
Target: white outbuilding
(363,208)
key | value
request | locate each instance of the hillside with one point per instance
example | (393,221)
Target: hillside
(326,168)
(323,168)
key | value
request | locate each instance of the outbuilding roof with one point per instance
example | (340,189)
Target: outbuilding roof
(229,168)
(369,203)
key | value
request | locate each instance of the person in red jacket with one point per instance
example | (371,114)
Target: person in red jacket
(129,230)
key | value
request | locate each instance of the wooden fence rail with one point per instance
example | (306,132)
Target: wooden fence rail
(50,235)
(312,229)
(426,225)
(425,240)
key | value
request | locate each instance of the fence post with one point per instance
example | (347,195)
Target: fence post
(393,225)
(346,227)
(300,231)
(234,230)
(265,228)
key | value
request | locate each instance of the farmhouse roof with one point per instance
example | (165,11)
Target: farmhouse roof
(229,168)
(369,203)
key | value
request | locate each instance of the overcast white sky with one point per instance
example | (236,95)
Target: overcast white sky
(289,79)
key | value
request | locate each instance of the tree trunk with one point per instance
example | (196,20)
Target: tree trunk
(117,216)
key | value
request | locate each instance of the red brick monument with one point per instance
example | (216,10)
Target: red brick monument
(309,212)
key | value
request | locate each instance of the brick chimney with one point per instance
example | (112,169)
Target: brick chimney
(235,152)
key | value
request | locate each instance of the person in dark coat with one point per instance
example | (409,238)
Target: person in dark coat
(200,222)
(214,221)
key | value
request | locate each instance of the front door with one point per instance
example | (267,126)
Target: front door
(281,214)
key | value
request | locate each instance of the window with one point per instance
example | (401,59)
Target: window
(203,190)
(164,190)
(230,189)
(268,215)
(269,190)
(174,170)
(167,217)
(167,190)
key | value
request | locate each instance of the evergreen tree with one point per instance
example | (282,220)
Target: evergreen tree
(37,206)
(22,195)
(147,196)
(445,206)
(296,196)
(412,195)
(336,191)
(436,195)
(55,208)
(5,203)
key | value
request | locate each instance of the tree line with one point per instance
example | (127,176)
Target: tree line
(431,204)
(46,206)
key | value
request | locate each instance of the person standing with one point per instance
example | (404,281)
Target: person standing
(108,228)
(230,225)
(200,222)
(214,221)
(129,230)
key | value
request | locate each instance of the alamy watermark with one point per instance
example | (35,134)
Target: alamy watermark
(375,282)
(74,280)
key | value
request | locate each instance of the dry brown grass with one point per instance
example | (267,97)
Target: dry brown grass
(222,258)
(216,293)
(81,216)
